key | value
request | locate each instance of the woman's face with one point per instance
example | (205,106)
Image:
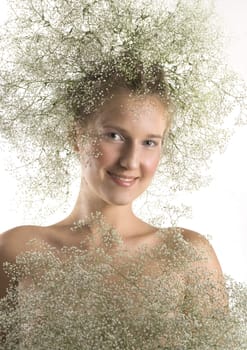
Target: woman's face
(123,147)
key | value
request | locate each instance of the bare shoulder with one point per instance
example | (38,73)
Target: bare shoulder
(202,244)
(193,237)
(13,241)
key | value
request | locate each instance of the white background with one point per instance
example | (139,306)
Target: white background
(219,210)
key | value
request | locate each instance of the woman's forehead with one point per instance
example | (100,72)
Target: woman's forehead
(129,105)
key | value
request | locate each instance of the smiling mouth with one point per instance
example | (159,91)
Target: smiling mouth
(121,180)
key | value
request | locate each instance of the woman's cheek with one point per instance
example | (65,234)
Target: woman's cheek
(107,154)
(152,164)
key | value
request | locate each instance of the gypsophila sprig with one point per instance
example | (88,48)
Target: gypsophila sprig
(73,298)
(51,52)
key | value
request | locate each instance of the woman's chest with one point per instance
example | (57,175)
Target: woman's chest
(84,296)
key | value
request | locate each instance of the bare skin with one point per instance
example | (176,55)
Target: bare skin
(129,132)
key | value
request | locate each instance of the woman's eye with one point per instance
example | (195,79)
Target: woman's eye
(114,136)
(150,143)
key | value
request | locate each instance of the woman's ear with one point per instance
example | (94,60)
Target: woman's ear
(82,137)
(76,148)
(74,136)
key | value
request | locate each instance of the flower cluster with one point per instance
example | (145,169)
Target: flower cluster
(107,298)
(49,46)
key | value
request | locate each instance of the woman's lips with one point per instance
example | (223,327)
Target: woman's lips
(125,181)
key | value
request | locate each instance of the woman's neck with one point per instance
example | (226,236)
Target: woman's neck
(119,217)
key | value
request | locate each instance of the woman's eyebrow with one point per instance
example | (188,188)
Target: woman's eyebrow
(156,136)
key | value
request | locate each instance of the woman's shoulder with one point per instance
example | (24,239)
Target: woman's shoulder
(198,244)
(14,241)
(193,237)
(197,240)
(204,248)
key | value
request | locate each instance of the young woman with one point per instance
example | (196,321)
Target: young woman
(110,74)
(119,146)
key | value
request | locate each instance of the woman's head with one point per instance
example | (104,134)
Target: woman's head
(121,117)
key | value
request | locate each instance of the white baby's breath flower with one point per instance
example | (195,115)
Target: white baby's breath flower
(93,299)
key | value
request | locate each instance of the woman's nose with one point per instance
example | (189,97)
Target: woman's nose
(130,157)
